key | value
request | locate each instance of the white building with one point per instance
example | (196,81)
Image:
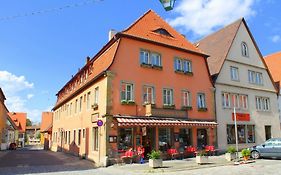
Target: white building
(243,81)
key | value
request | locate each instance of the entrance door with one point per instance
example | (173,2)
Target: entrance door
(148,139)
(202,139)
(267,132)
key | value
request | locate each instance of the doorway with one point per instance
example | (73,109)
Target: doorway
(202,139)
(267,132)
(148,139)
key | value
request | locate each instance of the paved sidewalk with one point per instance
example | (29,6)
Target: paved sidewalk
(172,165)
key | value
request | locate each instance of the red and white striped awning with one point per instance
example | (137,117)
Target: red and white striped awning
(130,121)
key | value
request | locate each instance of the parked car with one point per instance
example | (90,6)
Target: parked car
(270,148)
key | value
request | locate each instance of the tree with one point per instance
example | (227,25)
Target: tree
(28,122)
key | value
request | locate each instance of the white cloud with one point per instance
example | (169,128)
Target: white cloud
(14,88)
(29,96)
(202,17)
(276,38)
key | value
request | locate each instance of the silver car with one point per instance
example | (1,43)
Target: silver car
(270,148)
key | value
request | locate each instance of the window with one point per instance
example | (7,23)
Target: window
(168,97)
(162,32)
(70,108)
(201,102)
(84,133)
(148,95)
(164,135)
(182,65)
(65,138)
(89,100)
(234,73)
(144,55)
(156,59)
(69,133)
(74,136)
(246,134)
(186,98)
(125,138)
(255,77)
(243,101)
(244,48)
(127,92)
(76,106)
(79,136)
(95,138)
(226,100)
(150,58)
(250,133)
(235,100)
(80,104)
(262,103)
(96,95)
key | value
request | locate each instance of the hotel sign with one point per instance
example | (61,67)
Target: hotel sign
(241,117)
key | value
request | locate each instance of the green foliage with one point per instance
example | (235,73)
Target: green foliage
(231,149)
(154,155)
(201,153)
(28,122)
(246,152)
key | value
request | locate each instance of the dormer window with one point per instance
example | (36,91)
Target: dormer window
(245,50)
(163,32)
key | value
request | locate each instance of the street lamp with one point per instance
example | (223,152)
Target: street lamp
(168,4)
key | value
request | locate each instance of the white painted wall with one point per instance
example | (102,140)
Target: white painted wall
(225,84)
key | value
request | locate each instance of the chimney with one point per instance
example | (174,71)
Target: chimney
(111,34)
(88,59)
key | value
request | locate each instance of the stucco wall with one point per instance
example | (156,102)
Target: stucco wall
(225,84)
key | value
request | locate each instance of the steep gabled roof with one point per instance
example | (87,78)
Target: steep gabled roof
(218,44)
(19,119)
(151,27)
(46,121)
(273,62)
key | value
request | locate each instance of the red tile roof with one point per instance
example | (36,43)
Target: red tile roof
(217,45)
(19,119)
(273,62)
(146,26)
(46,121)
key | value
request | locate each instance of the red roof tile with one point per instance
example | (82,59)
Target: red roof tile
(273,62)
(20,120)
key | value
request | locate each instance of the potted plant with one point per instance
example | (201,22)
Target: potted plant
(245,154)
(154,159)
(230,153)
(202,157)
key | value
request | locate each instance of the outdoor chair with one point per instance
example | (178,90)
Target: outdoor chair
(173,153)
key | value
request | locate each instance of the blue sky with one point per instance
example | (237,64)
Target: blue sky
(39,53)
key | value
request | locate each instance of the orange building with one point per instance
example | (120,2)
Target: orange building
(147,86)
(46,129)
(19,119)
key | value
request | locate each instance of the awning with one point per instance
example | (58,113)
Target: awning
(148,121)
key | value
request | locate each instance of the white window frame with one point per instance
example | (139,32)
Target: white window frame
(168,96)
(145,57)
(186,66)
(244,49)
(156,59)
(186,98)
(234,74)
(262,103)
(243,101)
(89,100)
(201,100)
(127,95)
(226,100)
(146,95)
(96,95)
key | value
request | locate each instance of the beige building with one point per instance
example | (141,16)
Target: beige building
(243,82)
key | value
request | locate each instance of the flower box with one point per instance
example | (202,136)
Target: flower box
(186,108)
(169,106)
(202,159)
(202,109)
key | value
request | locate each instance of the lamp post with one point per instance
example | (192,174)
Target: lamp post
(168,4)
(236,136)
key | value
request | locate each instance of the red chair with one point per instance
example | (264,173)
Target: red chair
(128,156)
(210,149)
(173,153)
(190,150)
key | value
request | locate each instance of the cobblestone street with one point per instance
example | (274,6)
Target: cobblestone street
(30,161)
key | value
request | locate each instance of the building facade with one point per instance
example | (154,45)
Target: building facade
(243,82)
(144,87)
(19,119)
(3,121)
(46,129)
(273,61)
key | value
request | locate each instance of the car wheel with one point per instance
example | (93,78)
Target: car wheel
(255,154)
